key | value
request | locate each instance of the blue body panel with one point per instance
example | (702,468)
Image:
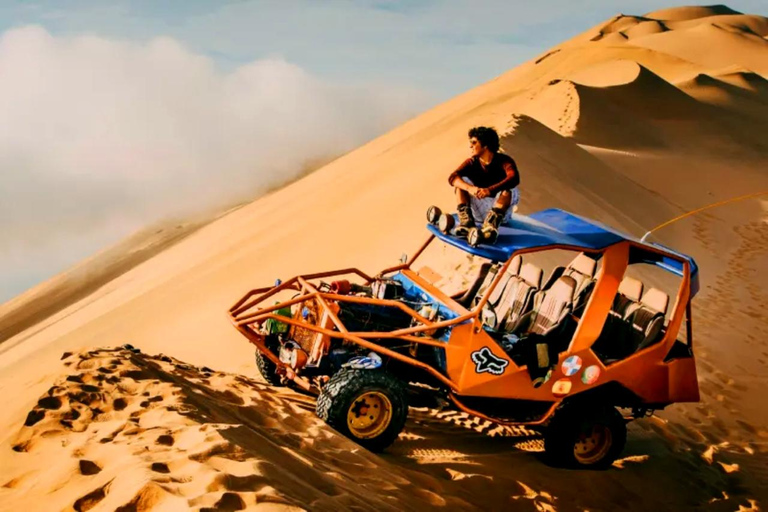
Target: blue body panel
(416,297)
(554,227)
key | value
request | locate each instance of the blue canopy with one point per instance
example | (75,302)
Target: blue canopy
(558,227)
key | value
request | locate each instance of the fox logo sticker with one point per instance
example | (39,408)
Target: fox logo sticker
(485,361)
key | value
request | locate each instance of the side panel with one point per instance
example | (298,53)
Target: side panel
(647,375)
(614,265)
(683,381)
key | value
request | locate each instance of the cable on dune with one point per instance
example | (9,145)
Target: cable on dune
(697,210)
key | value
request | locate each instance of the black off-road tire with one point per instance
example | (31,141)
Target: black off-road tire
(346,386)
(268,369)
(562,434)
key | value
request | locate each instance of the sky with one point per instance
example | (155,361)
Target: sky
(116,114)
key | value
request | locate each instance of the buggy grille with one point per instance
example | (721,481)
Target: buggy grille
(309,313)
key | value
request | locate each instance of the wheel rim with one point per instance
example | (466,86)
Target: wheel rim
(593,444)
(369,415)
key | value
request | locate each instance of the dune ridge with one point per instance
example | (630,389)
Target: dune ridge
(48,298)
(691,13)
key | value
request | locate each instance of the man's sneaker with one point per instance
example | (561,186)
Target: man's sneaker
(490,229)
(494,217)
(466,220)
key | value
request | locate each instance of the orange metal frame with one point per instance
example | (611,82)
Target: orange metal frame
(644,373)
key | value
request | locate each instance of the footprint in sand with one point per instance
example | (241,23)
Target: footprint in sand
(160,467)
(229,501)
(165,440)
(88,467)
(198,449)
(91,499)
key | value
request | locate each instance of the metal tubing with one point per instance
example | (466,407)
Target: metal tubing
(249,317)
(377,302)
(393,269)
(257,340)
(385,335)
(411,260)
(347,336)
(494,284)
(502,422)
(420,250)
(335,319)
(396,355)
(239,308)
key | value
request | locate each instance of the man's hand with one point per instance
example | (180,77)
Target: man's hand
(482,193)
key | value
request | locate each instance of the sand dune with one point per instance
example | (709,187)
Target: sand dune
(143,432)
(747,23)
(690,13)
(621,94)
(592,187)
(746,80)
(722,92)
(626,123)
(725,46)
(646,28)
(623,23)
(46,299)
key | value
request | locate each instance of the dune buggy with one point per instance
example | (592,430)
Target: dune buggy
(575,355)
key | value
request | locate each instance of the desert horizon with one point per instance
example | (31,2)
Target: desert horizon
(125,386)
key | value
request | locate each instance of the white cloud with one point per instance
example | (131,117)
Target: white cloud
(99,137)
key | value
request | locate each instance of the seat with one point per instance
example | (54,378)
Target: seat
(582,270)
(613,343)
(512,271)
(465,299)
(647,321)
(628,297)
(542,330)
(555,304)
(550,308)
(517,298)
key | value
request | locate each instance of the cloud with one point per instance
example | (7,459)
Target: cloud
(446,46)
(100,136)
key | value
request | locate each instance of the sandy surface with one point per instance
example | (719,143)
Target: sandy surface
(632,122)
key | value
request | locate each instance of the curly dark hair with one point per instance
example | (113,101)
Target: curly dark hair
(485,136)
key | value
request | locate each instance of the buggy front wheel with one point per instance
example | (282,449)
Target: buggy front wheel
(268,369)
(368,406)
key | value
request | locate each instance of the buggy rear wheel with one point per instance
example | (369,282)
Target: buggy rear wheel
(589,438)
(367,406)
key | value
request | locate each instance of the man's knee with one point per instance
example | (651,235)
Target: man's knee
(504,198)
